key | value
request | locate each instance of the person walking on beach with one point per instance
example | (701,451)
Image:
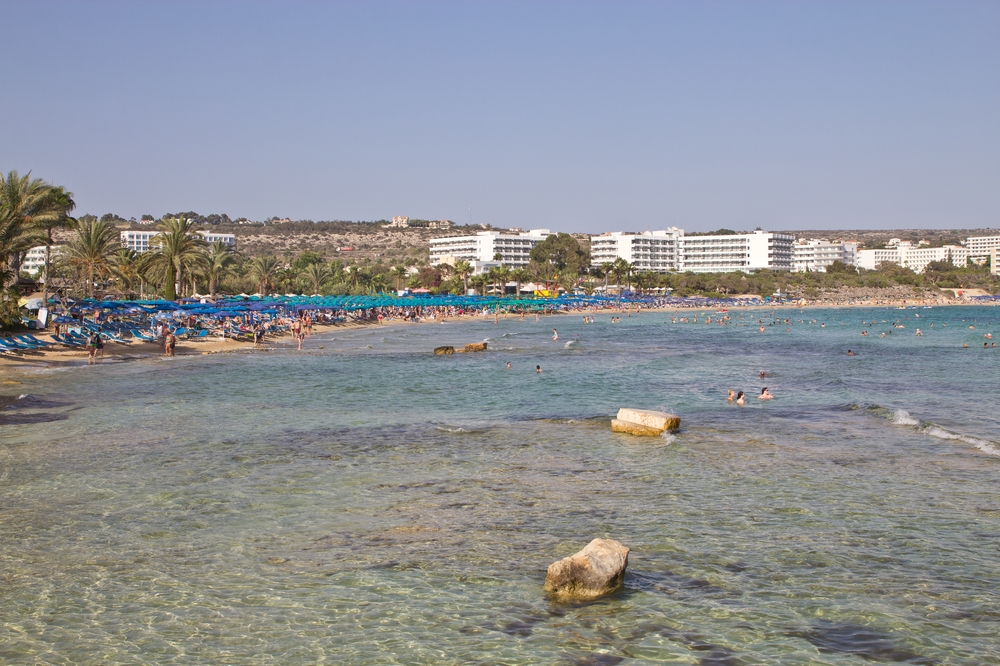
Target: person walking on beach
(171,344)
(92,349)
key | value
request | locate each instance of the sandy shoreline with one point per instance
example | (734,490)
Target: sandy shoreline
(60,356)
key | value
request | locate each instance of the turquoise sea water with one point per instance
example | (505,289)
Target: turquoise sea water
(370,503)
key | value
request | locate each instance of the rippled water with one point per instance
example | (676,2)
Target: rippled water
(371,503)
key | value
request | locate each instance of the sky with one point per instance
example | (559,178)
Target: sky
(573,116)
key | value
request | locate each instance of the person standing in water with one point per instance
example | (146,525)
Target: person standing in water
(739,399)
(555,334)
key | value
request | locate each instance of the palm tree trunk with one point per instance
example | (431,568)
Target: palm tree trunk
(45,272)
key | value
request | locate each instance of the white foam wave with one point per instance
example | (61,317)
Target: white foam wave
(571,344)
(668,437)
(451,429)
(983,445)
(22,396)
(902,417)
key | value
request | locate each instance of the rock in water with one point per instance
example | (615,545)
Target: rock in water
(644,422)
(475,346)
(438,351)
(597,569)
(634,429)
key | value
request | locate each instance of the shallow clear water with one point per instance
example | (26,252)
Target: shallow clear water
(371,503)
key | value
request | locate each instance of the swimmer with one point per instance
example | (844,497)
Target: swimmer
(555,334)
(919,332)
(538,368)
(765,394)
(731,396)
(739,399)
(508,365)
(763,374)
(850,353)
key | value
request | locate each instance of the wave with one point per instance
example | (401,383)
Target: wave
(668,437)
(902,417)
(983,445)
(572,344)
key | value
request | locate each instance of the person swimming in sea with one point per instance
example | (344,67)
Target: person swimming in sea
(538,368)
(850,353)
(508,365)
(765,394)
(739,399)
(731,396)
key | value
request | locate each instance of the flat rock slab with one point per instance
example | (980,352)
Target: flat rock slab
(475,347)
(596,570)
(649,418)
(634,429)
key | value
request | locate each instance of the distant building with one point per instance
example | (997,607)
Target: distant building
(980,246)
(440,224)
(400,221)
(758,250)
(227,239)
(994,254)
(481,248)
(34,260)
(816,254)
(138,241)
(143,241)
(914,257)
(653,251)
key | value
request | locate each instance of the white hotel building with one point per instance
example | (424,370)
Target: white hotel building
(34,259)
(481,248)
(654,251)
(980,246)
(914,257)
(142,241)
(758,250)
(815,255)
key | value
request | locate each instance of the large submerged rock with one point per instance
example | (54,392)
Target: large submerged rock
(597,569)
(475,347)
(644,422)
(441,351)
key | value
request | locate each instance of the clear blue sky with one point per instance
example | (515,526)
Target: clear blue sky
(576,116)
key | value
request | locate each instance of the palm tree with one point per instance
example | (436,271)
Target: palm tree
(125,267)
(177,250)
(218,259)
(480,282)
(53,214)
(463,269)
(520,275)
(316,275)
(398,272)
(263,270)
(27,207)
(503,276)
(91,248)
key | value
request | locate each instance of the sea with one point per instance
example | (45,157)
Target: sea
(363,501)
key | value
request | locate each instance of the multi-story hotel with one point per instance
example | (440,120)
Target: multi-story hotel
(914,257)
(758,250)
(34,260)
(654,251)
(816,254)
(227,239)
(481,249)
(142,241)
(980,246)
